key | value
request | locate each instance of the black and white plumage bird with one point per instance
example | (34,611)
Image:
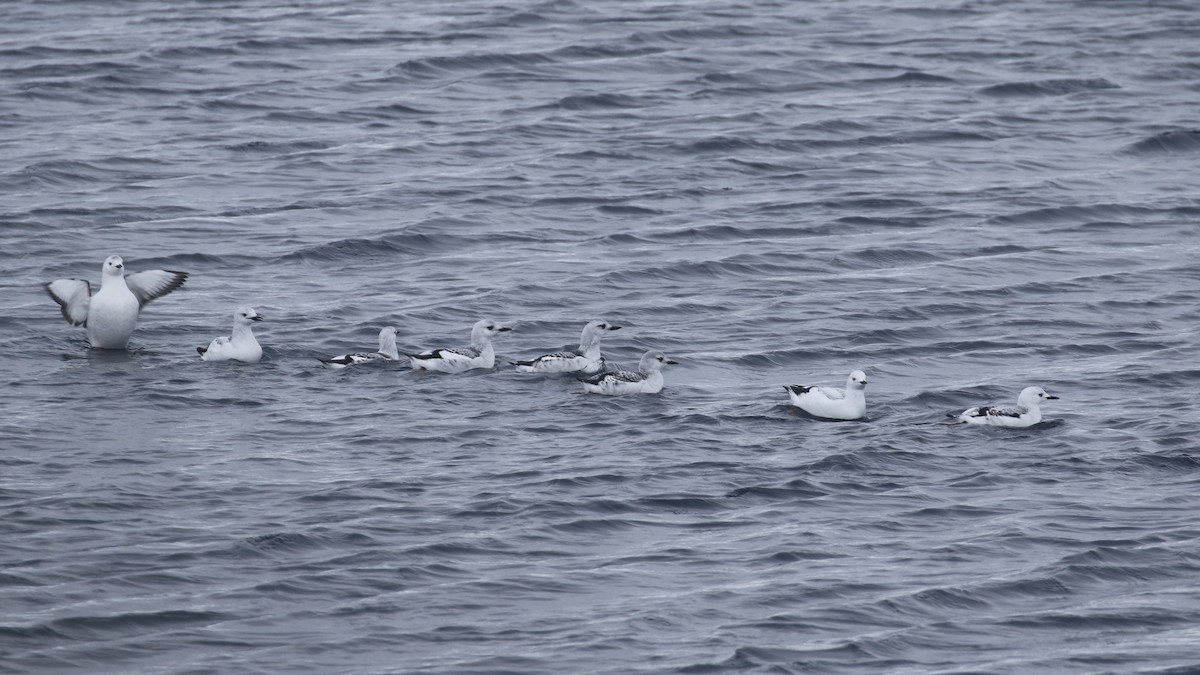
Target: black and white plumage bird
(648,379)
(479,355)
(1025,414)
(586,359)
(112,313)
(241,345)
(387,352)
(835,404)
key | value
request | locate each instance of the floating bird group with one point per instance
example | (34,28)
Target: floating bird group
(111,315)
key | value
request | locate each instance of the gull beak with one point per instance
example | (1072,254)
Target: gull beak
(672,362)
(503,329)
(611,327)
(1051,398)
(256,317)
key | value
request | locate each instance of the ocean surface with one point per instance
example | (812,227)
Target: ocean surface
(960,198)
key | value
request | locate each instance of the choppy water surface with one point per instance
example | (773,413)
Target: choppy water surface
(960,201)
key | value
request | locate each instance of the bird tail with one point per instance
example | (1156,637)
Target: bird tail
(201,350)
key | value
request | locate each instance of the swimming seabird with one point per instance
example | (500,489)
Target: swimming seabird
(111,315)
(241,345)
(1026,414)
(387,352)
(829,403)
(648,379)
(479,355)
(586,359)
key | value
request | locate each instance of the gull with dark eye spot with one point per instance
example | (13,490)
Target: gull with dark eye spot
(455,360)
(241,345)
(834,404)
(1026,414)
(648,379)
(111,315)
(586,359)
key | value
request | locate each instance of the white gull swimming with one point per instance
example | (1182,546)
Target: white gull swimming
(1026,414)
(111,315)
(585,359)
(829,403)
(648,379)
(455,360)
(241,345)
(387,352)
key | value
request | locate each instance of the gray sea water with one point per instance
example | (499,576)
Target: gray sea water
(961,198)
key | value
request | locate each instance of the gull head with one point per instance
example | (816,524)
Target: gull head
(593,330)
(653,362)
(486,328)
(113,266)
(244,316)
(387,338)
(857,380)
(600,327)
(1031,396)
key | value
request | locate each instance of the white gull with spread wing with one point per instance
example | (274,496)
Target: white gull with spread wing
(112,313)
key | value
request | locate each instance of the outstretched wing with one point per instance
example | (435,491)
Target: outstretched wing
(73,296)
(153,284)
